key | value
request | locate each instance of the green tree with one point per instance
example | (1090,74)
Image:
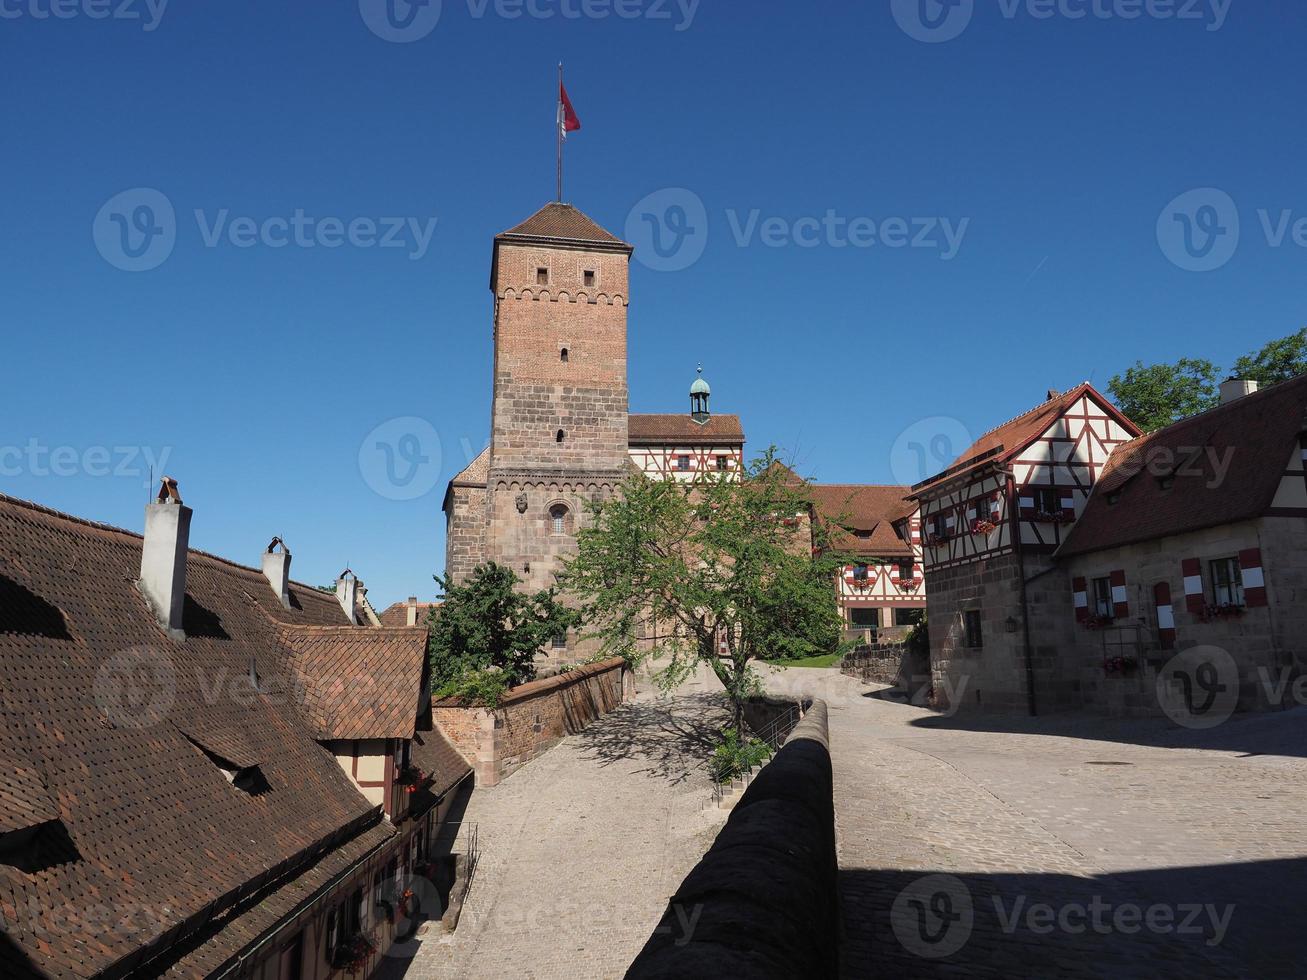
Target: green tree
(1155,395)
(714,562)
(486,634)
(1278,361)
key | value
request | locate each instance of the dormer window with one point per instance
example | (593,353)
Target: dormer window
(542,276)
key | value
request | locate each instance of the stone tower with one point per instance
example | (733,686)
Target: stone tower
(559,417)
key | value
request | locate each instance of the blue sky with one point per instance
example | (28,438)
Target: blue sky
(1052,146)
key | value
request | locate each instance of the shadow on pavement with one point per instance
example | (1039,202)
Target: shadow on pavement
(1229,920)
(674,737)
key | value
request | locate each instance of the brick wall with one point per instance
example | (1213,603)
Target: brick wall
(465,538)
(532,718)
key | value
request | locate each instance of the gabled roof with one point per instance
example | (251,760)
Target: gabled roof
(682,430)
(1141,496)
(124,733)
(561,224)
(1007,441)
(861,517)
(358,683)
(397,614)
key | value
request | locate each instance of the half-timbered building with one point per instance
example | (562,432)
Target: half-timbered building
(1195,538)
(990,524)
(882,591)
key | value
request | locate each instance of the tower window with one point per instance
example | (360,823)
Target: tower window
(562,355)
(560,436)
(542,277)
(558,519)
(589,277)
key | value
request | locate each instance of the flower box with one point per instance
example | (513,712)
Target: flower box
(981,526)
(1122,666)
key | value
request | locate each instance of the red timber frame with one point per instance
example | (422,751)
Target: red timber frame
(1066,459)
(662,460)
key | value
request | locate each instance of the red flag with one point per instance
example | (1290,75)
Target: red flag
(568,120)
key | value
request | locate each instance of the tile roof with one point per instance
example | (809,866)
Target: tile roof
(397,614)
(861,517)
(1130,503)
(719,430)
(475,473)
(436,756)
(562,224)
(122,732)
(358,683)
(1001,444)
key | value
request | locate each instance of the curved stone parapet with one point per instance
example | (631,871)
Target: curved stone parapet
(763,902)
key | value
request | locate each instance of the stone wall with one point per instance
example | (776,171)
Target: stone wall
(1266,643)
(465,532)
(890,663)
(532,718)
(763,903)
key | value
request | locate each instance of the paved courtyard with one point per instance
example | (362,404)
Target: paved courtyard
(582,848)
(1072,847)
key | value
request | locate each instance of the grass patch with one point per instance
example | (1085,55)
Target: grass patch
(826,660)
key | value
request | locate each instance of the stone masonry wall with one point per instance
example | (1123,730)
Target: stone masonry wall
(465,538)
(532,718)
(1266,644)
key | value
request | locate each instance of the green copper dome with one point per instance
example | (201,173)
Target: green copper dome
(700,387)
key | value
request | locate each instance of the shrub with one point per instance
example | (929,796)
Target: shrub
(735,756)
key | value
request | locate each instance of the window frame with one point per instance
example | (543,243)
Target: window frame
(723,464)
(861,572)
(973,628)
(1232,586)
(1100,596)
(542,275)
(558,520)
(682,463)
(1051,496)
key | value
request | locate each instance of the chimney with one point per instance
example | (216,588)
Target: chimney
(163,557)
(1235,388)
(347,594)
(412,610)
(276,569)
(1052,394)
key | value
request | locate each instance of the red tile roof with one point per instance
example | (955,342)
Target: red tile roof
(123,734)
(436,756)
(558,223)
(682,430)
(1130,502)
(397,614)
(358,683)
(861,517)
(1005,442)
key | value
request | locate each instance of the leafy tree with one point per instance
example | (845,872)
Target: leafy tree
(486,634)
(1278,361)
(720,562)
(1156,395)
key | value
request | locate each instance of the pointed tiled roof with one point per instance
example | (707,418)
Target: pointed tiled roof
(558,223)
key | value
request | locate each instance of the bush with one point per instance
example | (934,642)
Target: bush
(734,757)
(479,687)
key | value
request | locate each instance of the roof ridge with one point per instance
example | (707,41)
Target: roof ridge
(345,628)
(1032,411)
(114,529)
(1207,412)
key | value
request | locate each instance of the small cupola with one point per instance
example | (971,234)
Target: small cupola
(699,393)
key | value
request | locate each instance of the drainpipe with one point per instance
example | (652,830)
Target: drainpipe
(1014,515)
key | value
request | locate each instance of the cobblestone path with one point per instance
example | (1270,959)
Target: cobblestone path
(581,849)
(1076,846)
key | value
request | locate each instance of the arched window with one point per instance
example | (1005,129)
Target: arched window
(560,436)
(562,355)
(558,518)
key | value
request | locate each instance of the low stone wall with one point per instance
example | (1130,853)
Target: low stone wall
(532,718)
(764,901)
(768,714)
(888,663)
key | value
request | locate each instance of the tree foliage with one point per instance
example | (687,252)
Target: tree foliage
(1155,395)
(1278,361)
(487,627)
(687,567)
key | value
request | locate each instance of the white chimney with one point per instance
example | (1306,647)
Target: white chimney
(276,569)
(347,593)
(1236,388)
(412,610)
(163,557)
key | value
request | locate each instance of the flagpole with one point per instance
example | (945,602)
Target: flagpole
(559,125)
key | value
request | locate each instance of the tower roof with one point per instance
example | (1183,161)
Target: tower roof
(561,224)
(700,387)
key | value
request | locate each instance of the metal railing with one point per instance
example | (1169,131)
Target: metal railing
(773,735)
